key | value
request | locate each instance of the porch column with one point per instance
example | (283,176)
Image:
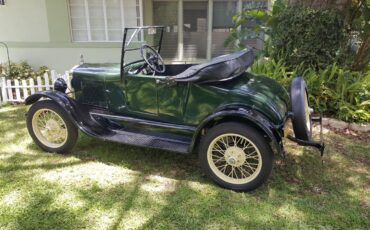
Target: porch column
(209,31)
(180,45)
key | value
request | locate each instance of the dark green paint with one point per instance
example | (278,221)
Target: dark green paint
(155,98)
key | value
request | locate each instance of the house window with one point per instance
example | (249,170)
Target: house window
(223,12)
(166,13)
(197,29)
(103,20)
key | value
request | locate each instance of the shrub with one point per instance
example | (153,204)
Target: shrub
(308,37)
(22,70)
(309,33)
(334,91)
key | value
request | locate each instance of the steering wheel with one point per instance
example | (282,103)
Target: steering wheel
(153,59)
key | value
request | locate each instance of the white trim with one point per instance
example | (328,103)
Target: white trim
(122,16)
(88,27)
(180,34)
(141,13)
(141,19)
(209,29)
(105,20)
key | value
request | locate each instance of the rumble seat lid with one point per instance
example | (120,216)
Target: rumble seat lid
(220,68)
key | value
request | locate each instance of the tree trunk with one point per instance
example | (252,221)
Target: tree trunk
(360,59)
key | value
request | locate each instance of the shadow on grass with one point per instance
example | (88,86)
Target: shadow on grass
(52,217)
(299,182)
(301,193)
(146,160)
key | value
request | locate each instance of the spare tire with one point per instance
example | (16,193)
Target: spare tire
(301,120)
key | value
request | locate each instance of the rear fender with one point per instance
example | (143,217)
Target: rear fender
(244,114)
(78,113)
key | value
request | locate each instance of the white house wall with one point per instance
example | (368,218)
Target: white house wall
(38,31)
(24,21)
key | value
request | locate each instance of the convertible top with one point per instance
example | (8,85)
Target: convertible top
(220,68)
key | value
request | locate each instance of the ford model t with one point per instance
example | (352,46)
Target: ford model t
(232,118)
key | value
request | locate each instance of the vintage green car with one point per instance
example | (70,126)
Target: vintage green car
(232,118)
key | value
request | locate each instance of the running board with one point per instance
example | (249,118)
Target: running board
(102,128)
(174,143)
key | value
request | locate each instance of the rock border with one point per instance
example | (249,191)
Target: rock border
(342,125)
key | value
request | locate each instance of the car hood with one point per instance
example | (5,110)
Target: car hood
(260,93)
(96,72)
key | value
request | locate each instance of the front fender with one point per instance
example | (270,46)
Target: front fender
(78,113)
(245,114)
(61,98)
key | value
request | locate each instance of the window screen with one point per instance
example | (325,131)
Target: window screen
(102,20)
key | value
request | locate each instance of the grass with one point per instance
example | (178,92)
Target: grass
(103,185)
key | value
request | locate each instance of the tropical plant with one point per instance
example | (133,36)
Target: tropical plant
(247,24)
(334,91)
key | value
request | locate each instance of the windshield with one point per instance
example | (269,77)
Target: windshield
(135,37)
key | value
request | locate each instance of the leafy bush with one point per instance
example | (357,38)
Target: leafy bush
(308,37)
(334,91)
(357,23)
(22,70)
(308,33)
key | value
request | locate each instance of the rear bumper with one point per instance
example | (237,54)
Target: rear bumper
(317,144)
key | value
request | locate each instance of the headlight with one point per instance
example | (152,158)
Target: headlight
(60,85)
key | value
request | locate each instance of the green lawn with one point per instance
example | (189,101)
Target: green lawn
(103,185)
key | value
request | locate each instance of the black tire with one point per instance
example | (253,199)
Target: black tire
(302,124)
(72,131)
(253,136)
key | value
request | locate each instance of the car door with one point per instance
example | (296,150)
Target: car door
(141,94)
(134,95)
(171,100)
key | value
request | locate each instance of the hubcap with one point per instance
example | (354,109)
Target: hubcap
(234,158)
(49,128)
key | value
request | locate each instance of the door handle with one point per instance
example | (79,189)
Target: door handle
(164,82)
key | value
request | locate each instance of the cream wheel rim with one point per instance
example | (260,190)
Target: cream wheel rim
(234,158)
(49,128)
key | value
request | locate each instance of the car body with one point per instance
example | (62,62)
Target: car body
(178,107)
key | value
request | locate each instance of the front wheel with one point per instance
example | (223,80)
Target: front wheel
(50,127)
(236,156)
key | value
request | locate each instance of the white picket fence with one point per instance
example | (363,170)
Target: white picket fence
(18,91)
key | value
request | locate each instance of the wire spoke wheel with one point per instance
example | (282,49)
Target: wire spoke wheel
(49,128)
(234,158)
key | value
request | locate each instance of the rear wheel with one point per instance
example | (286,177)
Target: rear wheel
(236,156)
(50,127)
